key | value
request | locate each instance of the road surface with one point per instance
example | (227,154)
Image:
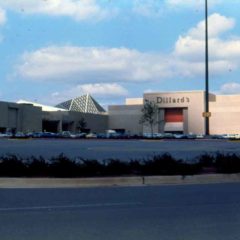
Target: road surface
(190,212)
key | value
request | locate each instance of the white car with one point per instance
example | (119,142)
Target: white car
(91,135)
(5,135)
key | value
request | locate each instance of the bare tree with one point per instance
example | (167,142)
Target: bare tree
(82,124)
(149,114)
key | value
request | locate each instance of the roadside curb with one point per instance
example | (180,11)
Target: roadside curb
(116,181)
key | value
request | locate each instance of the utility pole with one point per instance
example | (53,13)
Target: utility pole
(207,113)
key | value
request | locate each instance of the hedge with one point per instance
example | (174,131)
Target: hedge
(165,164)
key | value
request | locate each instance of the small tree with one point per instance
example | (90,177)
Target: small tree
(149,114)
(82,124)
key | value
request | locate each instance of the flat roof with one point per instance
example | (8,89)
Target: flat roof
(192,91)
(44,107)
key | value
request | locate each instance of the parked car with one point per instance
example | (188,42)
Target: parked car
(191,136)
(234,136)
(80,135)
(168,136)
(91,135)
(111,133)
(66,134)
(20,135)
(158,135)
(199,136)
(180,136)
(101,135)
(6,135)
(37,134)
(147,135)
(48,135)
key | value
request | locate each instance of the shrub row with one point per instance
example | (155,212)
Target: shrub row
(62,166)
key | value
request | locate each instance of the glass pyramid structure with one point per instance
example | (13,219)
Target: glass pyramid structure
(83,103)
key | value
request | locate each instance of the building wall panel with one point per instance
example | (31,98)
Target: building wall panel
(125,117)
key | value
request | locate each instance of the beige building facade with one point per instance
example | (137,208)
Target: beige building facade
(125,118)
(20,117)
(33,117)
(180,112)
(69,121)
(225,117)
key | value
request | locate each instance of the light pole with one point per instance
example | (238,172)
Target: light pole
(207,114)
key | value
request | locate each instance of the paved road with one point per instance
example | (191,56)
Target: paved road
(192,212)
(121,149)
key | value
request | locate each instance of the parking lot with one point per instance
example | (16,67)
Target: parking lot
(119,149)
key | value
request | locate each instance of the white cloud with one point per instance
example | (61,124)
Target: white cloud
(92,64)
(191,3)
(230,88)
(224,53)
(193,43)
(99,90)
(149,90)
(217,24)
(155,8)
(149,8)
(102,89)
(3,18)
(77,9)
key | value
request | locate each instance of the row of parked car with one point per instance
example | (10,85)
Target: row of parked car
(65,134)
(111,134)
(227,136)
(171,136)
(192,136)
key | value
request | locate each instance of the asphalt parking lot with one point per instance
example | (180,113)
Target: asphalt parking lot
(120,149)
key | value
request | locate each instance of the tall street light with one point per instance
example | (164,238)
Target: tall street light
(207,113)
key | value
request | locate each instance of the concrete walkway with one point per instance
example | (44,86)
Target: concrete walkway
(116,181)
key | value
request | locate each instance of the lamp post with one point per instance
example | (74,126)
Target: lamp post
(207,114)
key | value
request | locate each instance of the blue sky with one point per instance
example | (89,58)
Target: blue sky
(53,50)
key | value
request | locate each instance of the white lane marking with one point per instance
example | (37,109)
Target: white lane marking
(95,205)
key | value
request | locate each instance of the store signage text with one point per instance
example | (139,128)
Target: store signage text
(170,100)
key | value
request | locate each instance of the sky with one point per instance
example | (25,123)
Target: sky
(55,50)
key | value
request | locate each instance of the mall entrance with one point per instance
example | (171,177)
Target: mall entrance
(173,120)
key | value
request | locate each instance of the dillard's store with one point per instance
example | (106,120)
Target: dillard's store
(180,112)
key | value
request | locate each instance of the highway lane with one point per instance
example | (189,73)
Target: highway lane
(180,212)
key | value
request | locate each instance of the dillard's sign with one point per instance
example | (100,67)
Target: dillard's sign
(170,100)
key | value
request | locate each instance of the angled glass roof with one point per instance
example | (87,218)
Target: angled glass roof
(83,103)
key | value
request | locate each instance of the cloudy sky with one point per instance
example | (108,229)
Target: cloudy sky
(53,50)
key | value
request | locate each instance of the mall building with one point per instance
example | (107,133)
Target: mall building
(25,116)
(178,112)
